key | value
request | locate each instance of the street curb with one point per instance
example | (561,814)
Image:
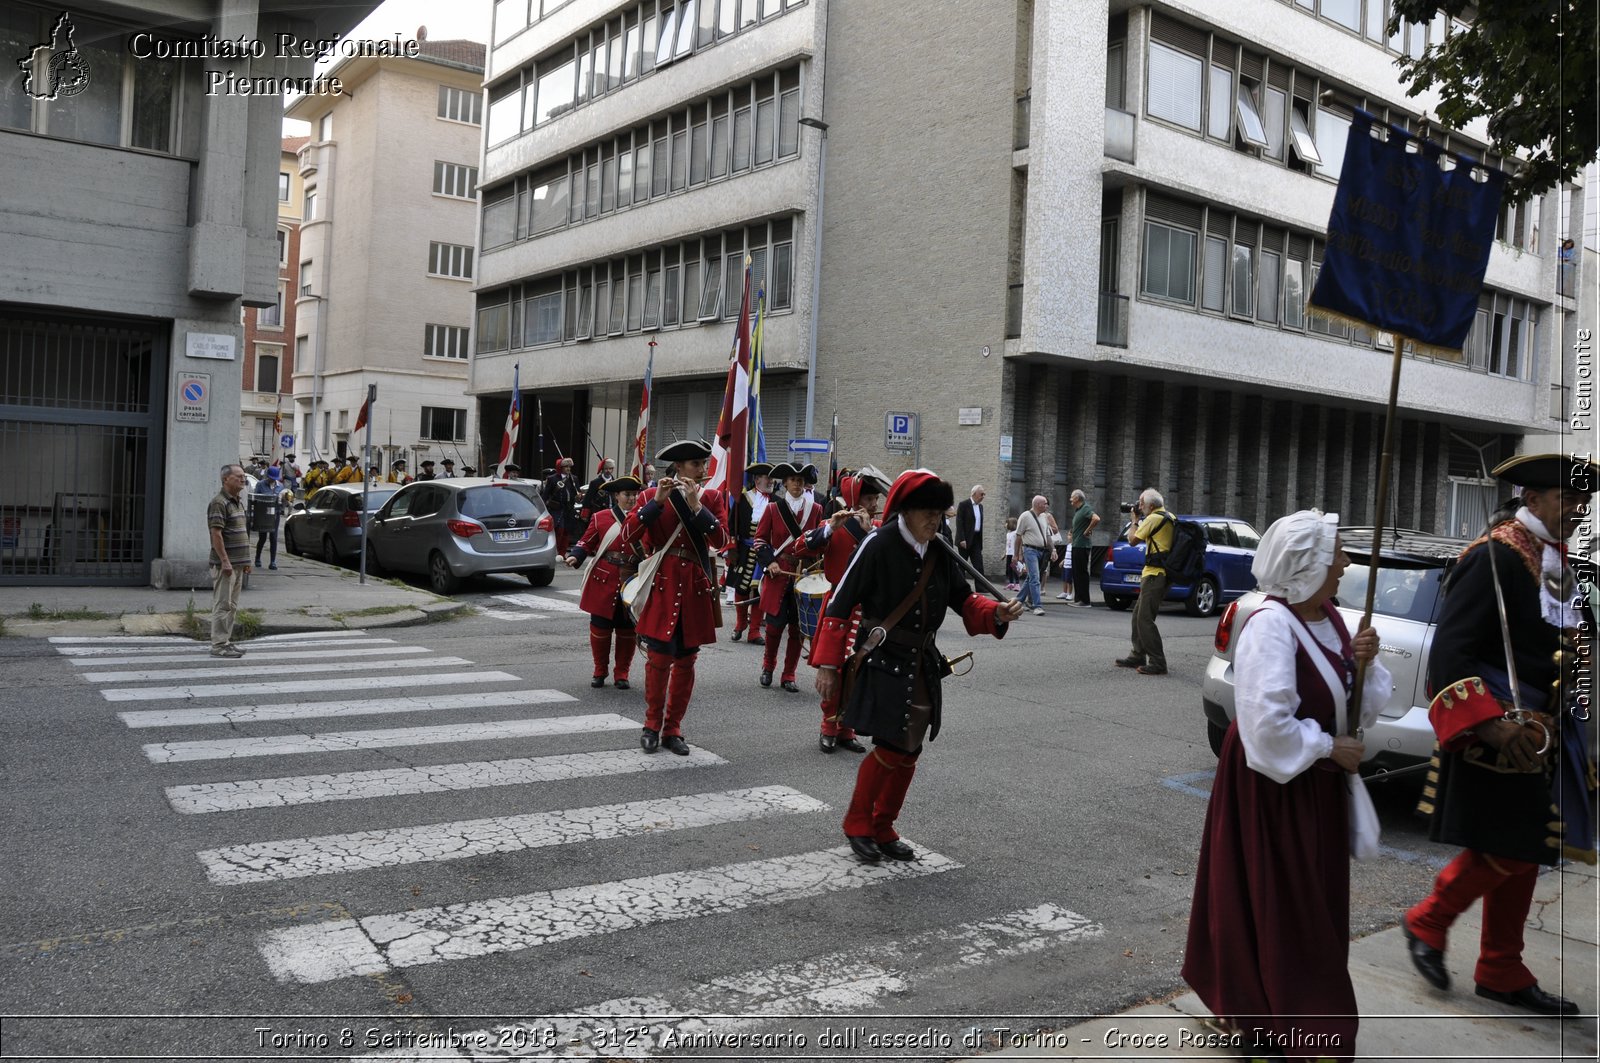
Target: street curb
(275,623)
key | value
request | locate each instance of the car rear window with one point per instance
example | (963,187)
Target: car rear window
(500,500)
(1407,593)
(378,499)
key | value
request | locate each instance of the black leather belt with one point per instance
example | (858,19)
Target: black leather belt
(620,560)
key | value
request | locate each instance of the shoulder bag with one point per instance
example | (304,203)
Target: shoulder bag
(852,667)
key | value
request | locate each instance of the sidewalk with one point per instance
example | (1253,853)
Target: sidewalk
(1402,1017)
(302,595)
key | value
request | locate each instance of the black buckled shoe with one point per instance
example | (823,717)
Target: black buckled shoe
(827,743)
(897,850)
(790,686)
(649,740)
(675,744)
(766,679)
(852,745)
(1532,999)
(598,681)
(757,640)
(1428,960)
(621,684)
(738,633)
(866,849)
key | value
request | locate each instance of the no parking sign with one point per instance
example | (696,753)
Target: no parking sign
(193,401)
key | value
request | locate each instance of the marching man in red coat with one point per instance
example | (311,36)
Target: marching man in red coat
(679,526)
(903,583)
(745,517)
(613,565)
(786,521)
(835,541)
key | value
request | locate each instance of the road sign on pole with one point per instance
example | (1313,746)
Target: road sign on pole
(809,446)
(286,441)
(900,432)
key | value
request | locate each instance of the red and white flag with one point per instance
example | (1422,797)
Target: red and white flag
(733,426)
(644,415)
(508,442)
(362,417)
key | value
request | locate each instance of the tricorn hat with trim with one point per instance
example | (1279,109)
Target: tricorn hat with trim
(622,483)
(685,450)
(758,468)
(1542,472)
(808,472)
(785,469)
(919,489)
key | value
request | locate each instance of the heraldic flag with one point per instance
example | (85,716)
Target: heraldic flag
(733,427)
(508,443)
(640,440)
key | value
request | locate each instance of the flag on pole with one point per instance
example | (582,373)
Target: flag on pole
(833,458)
(758,435)
(644,414)
(365,415)
(508,443)
(733,426)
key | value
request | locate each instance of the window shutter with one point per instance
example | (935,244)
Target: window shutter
(1178,34)
(1224,53)
(1175,211)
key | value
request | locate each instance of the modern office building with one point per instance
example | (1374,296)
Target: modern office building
(266,410)
(139,215)
(388,255)
(1072,241)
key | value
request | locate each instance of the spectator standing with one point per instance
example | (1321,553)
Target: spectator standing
(1013,578)
(230,559)
(268,502)
(969,527)
(1035,551)
(1269,931)
(1084,521)
(1156,531)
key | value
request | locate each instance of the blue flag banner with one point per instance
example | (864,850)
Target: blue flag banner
(1408,238)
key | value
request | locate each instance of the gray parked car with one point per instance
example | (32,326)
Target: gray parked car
(1404,611)
(450,529)
(328,524)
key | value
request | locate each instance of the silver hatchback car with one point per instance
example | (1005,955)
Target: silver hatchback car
(450,529)
(1405,610)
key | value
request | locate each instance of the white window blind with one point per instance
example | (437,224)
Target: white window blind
(1174,92)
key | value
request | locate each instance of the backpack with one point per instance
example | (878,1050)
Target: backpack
(1186,560)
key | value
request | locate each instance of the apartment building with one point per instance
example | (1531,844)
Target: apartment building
(388,255)
(1074,242)
(139,216)
(266,410)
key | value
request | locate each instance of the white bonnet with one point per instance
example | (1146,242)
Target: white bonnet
(1295,554)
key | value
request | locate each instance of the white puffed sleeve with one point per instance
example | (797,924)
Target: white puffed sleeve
(1375,692)
(1265,697)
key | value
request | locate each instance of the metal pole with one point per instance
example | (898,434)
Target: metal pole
(1379,518)
(816,267)
(366,489)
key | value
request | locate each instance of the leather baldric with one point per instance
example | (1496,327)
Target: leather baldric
(701,551)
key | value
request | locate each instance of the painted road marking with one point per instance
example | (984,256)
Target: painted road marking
(338,853)
(166,653)
(70,640)
(301,636)
(288,653)
(305,686)
(268,669)
(538,602)
(506,614)
(851,982)
(343,948)
(346,741)
(427,779)
(308,710)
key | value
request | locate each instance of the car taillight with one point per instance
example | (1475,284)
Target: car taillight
(352,518)
(545,523)
(464,528)
(1224,634)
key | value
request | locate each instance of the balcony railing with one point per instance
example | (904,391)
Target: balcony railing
(1120,127)
(1019,132)
(1111,329)
(1014,312)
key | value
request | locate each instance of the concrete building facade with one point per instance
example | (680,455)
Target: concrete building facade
(388,256)
(266,408)
(1075,240)
(139,216)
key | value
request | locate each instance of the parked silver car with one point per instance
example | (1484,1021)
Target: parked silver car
(1405,609)
(450,529)
(328,524)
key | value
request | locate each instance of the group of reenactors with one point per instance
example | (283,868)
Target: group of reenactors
(652,579)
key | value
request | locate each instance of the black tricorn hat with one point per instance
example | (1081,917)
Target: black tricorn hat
(622,483)
(758,468)
(785,469)
(685,450)
(512,466)
(808,471)
(1543,472)
(447,461)
(427,462)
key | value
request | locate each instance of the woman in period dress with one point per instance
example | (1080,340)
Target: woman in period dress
(1269,932)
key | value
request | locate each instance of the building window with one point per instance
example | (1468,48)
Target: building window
(445,341)
(1215,276)
(1168,263)
(441,424)
(1244,288)
(1333,129)
(271,316)
(454,179)
(1251,129)
(266,371)
(283,187)
(305,277)
(459,105)
(325,127)
(494,322)
(309,210)
(302,345)
(283,247)
(450,260)
(1174,88)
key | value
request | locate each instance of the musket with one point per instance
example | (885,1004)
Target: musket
(978,578)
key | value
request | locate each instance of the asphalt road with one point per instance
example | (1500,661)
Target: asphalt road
(1058,814)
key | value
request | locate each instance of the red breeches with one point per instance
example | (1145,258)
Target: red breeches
(1506,887)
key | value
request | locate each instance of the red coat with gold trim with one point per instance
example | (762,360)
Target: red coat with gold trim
(602,591)
(681,593)
(773,538)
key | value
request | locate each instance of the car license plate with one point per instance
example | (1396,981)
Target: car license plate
(510,536)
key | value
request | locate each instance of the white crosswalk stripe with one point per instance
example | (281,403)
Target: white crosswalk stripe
(342,948)
(311,710)
(840,983)
(288,653)
(236,668)
(303,636)
(540,603)
(304,686)
(166,653)
(364,850)
(87,640)
(427,779)
(507,614)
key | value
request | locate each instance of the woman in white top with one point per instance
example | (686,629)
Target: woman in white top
(1269,932)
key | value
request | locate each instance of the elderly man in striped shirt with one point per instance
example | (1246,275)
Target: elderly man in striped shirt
(230,559)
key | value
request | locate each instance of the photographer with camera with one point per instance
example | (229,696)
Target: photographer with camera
(1156,530)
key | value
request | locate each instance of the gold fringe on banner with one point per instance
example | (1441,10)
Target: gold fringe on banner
(1333,317)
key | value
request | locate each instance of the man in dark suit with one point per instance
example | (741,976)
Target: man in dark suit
(969,527)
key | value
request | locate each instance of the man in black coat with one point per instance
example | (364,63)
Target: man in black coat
(904,583)
(561,493)
(969,527)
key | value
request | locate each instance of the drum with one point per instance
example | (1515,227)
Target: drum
(810,592)
(631,589)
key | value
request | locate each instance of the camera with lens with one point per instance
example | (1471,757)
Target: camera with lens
(1127,507)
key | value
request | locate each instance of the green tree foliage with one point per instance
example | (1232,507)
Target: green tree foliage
(1529,67)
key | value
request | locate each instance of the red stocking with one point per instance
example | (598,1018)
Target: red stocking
(657,667)
(600,649)
(626,641)
(678,691)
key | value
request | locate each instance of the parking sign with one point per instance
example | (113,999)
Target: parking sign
(899,432)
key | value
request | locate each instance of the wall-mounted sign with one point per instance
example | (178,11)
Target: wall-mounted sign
(1005,448)
(970,415)
(193,400)
(210,345)
(900,432)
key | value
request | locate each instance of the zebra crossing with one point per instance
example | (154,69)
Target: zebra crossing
(533,606)
(200,705)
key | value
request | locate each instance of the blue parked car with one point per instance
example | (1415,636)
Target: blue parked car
(1230,550)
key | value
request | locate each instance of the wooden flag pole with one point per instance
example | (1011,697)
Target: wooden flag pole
(1380,517)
